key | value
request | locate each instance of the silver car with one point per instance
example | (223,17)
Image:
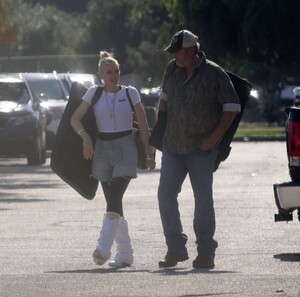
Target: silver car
(86,79)
(53,96)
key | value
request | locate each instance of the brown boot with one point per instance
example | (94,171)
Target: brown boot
(204,262)
(172,258)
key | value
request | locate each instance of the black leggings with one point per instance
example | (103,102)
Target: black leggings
(113,193)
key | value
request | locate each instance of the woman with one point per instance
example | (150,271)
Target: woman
(114,155)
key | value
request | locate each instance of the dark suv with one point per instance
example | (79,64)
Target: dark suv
(22,121)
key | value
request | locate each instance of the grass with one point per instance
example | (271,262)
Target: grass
(259,130)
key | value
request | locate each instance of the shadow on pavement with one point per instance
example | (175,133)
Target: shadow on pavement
(288,257)
(210,294)
(33,185)
(21,200)
(101,270)
(182,271)
(167,271)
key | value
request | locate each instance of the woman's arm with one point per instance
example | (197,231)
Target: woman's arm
(144,129)
(88,148)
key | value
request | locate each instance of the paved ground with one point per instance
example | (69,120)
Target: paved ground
(48,233)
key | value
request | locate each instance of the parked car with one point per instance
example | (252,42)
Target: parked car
(53,96)
(22,120)
(286,93)
(86,79)
(287,194)
(150,99)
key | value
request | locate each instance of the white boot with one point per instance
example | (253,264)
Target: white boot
(124,252)
(106,238)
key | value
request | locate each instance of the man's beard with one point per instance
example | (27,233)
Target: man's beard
(179,64)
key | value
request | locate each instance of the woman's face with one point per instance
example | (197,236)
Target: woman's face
(110,74)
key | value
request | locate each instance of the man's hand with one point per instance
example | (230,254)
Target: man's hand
(207,143)
(225,122)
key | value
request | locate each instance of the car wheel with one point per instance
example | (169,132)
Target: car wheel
(37,155)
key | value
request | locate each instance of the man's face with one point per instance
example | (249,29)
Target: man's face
(183,57)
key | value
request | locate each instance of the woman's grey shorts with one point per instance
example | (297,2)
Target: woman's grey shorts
(115,158)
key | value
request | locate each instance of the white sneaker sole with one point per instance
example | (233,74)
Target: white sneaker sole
(117,265)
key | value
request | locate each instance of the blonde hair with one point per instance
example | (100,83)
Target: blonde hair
(105,59)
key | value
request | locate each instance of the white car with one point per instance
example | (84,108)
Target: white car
(286,94)
(86,79)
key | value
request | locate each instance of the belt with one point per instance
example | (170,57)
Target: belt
(113,135)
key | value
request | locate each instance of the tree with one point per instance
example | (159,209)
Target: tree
(43,30)
(79,6)
(109,21)
(272,38)
(257,38)
(151,23)
(132,30)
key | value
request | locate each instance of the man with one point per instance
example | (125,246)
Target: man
(201,104)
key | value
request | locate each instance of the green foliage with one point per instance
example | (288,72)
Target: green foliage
(109,26)
(151,21)
(256,130)
(271,31)
(45,30)
(258,39)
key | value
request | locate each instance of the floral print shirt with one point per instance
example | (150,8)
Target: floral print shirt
(195,105)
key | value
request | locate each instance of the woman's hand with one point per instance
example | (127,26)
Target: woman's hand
(150,162)
(88,148)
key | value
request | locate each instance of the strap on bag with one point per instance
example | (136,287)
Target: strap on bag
(135,124)
(138,140)
(129,99)
(97,95)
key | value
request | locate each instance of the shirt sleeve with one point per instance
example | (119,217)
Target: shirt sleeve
(233,107)
(227,94)
(134,95)
(169,69)
(88,96)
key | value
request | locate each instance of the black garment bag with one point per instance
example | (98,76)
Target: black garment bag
(67,159)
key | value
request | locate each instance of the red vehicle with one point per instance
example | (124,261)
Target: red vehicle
(287,195)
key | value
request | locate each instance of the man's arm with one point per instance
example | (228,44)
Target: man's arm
(225,122)
(163,105)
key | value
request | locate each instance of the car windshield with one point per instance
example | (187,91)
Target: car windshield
(85,80)
(47,89)
(14,91)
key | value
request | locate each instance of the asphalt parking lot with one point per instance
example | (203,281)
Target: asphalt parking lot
(48,233)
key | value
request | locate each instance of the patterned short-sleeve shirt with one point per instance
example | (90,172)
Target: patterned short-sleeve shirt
(195,106)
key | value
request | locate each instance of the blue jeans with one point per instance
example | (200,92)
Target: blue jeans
(174,168)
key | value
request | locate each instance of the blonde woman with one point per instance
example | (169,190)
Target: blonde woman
(114,155)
